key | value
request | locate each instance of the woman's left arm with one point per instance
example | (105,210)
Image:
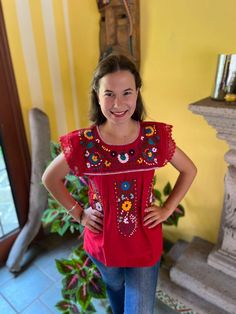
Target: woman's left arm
(187,172)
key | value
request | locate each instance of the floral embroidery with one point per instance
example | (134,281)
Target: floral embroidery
(98,206)
(140,160)
(126,206)
(107,163)
(96,199)
(125,185)
(126,198)
(94,158)
(149,130)
(123,158)
(145,153)
(148,154)
(88,134)
(150,199)
(113,153)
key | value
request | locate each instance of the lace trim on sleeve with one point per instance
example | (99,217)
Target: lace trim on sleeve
(169,145)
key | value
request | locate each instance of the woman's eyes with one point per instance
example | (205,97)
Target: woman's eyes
(109,94)
(113,95)
(127,93)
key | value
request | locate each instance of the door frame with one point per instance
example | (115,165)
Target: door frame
(14,141)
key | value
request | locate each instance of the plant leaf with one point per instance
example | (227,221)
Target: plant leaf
(83,296)
(157,195)
(96,288)
(64,267)
(167,189)
(72,281)
(63,305)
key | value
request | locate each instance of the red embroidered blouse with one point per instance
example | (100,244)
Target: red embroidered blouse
(121,185)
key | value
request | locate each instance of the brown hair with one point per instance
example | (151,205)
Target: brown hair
(111,64)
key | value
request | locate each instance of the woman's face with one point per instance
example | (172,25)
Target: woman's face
(117,96)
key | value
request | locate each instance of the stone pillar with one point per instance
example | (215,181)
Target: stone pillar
(222,116)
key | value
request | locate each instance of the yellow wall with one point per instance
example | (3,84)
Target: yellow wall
(54,46)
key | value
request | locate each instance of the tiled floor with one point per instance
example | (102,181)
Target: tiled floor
(38,288)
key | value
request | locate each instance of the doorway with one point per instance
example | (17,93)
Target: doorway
(14,153)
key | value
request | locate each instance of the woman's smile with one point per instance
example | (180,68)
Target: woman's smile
(119,114)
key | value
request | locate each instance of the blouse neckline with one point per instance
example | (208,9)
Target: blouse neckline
(119,145)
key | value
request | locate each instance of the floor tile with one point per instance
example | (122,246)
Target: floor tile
(5,275)
(21,291)
(5,308)
(51,297)
(36,308)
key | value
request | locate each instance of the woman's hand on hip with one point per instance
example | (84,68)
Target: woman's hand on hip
(92,219)
(155,215)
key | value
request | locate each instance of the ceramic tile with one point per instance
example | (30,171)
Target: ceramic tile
(5,275)
(37,308)
(51,297)
(5,307)
(21,291)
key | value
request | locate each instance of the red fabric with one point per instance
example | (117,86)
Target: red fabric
(121,184)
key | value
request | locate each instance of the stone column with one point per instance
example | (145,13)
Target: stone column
(222,116)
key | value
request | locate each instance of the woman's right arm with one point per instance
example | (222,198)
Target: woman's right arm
(53,179)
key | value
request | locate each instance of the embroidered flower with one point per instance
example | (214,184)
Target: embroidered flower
(88,134)
(151,142)
(88,165)
(126,220)
(123,158)
(125,185)
(131,196)
(107,163)
(148,154)
(94,158)
(154,149)
(90,145)
(86,154)
(126,206)
(113,153)
(149,130)
(131,152)
(123,197)
(98,206)
(140,160)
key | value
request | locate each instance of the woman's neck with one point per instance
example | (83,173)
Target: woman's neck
(119,134)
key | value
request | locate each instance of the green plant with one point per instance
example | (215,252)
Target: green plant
(55,215)
(81,283)
(161,196)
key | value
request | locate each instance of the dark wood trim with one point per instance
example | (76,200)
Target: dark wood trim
(12,133)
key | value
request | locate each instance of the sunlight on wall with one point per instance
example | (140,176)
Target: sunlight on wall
(54,46)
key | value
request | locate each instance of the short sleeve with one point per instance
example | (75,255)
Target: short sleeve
(167,144)
(70,145)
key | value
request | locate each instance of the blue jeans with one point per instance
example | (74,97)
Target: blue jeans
(131,290)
